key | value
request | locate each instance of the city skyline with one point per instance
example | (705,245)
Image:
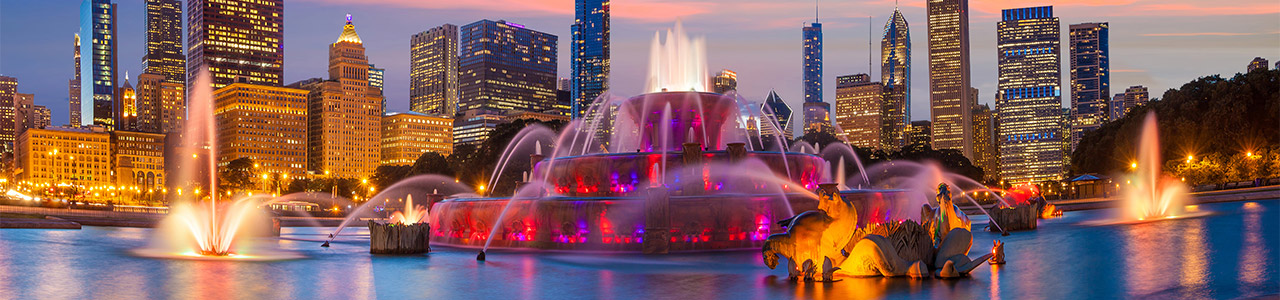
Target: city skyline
(1142,42)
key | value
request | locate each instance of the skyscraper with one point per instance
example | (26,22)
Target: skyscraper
(267,124)
(73,88)
(236,38)
(505,66)
(813,63)
(921,133)
(950,104)
(777,112)
(8,117)
(43,116)
(724,81)
(1090,79)
(98,69)
(1029,96)
(160,104)
(984,143)
(164,41)
(126,109)
(375,76)
(344,114)
(860,110)
(1133,96)
(895,75)
(590,56)
(1257,63)
(433,71)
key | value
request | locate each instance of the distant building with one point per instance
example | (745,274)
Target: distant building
(985,153)
(137,158)
(949,78)
(433,71)
(126,110)
(777,112)
(8,117)
(1258,63)
(164,41)
(1029,96)
(234,47)
(472,126)
(895,75)
(26,114)
(812,63)
(1090,79)
(344,114)
(98,70)
(860,109)
(160,104)
(1133,96)
(589,56)
(564,84)
(264,123)
(73,89)
(406,136)
(80,157)
(724,81)
(505,66)
(375,76)
(921,132)
(43,117)
(817,118)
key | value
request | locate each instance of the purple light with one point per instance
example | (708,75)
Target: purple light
(348,18)
(515,25)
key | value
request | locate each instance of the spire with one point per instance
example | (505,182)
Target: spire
(349,33)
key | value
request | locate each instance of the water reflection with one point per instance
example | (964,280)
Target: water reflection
(1254,263)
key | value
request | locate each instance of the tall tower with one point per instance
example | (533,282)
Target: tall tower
(73,88)
(164,41)
(236,38)
(126,110)
(98,69)
(505,66)
(895,74)
(950,104)
(813,62)
(433,71)
(8,115)
(1029,96)
(1090,79)
(590,56)
(345,115)
(860,110)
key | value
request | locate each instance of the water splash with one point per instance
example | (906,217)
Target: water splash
(412,214)
(1151,195)
(677,63)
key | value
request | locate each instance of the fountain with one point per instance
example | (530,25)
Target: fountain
(1152,196)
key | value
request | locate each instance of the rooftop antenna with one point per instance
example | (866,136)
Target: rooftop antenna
(870,38)
(815,11)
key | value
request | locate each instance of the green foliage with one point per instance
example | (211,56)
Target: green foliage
(1213,118)
(238,175)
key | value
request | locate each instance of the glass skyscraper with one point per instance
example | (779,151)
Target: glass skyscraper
(505,66)
(895,75)
(1030,95)
(950,103)
(98,68)
(590,56)
(813,63)
(1090,78)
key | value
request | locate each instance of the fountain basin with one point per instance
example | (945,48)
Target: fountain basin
(627,174)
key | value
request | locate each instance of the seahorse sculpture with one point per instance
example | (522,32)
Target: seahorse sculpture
(799,244)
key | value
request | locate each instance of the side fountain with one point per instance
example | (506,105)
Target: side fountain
(1152,196)
(406,232)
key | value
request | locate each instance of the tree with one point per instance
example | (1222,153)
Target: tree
(431,163)
(238,175)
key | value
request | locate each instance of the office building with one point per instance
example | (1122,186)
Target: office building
(78,157)
(137,158)
(1133,96)
(895,75)
(164,41)
(344,114)
(407,135)
(126,110)
(921,133)
(472,126)
(985,155)
(860,109)
(1090,78)
(505,66)
(949,78)
(590,54)
(812,63)
(777,112)
(1029,95)
(24,115)
(375,77)
(8,117)
(724,81)
(266,124)
(433,71)
(43,117)
(1257,63)
(98,69)
(160,105)
(236,39)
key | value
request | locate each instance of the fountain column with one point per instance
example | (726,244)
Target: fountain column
(691,180)
(737,152)
(657,221)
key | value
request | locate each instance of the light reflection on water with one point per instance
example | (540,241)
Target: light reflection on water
(1227,254)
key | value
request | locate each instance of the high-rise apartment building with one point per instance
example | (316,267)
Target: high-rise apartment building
(777,112)
(267,124)
(1030,95)
(724,81)
(1090,78)
(8,117)
(236,38)
(985,155)
(344,114)
(950,104)
(860,110)
(160,104)
(164,41)
(98,69)
(812,74)
(73,89)
(1257,63)
(895,75)
(433,71)
(1133,96)
(406,136)
(590,56)
(505,66)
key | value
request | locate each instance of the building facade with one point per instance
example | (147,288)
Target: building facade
(126,106)
(590,54)
(43,116)
(1090,78)
(812,74)
(73,89)
(1257,63)
(949,78)
(406,136)
(1030,95)
(345,115)
(777,112)
(1133,96)
(724,81)
(433,71)
(264,123)
(921,133)
(77,160)
(505,66)
(137,158)
(860,109)
(472,126)
(895,75)
(98,69)
(164,41)
(236,38)
(24,116)
(985,155)
(160,104)
(8,117)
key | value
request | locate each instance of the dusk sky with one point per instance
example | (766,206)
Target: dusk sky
(1159,44)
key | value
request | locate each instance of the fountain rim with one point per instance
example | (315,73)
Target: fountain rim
(673,197)
(788,153)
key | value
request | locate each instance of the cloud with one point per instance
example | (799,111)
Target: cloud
(1209,33)
(638,10)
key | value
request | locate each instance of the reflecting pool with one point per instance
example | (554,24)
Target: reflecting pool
(1230,252)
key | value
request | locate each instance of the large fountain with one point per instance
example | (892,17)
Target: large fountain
(1150,195)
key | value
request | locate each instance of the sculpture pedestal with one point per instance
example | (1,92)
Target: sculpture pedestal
(657,222)
(395,238)
(1020,217)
